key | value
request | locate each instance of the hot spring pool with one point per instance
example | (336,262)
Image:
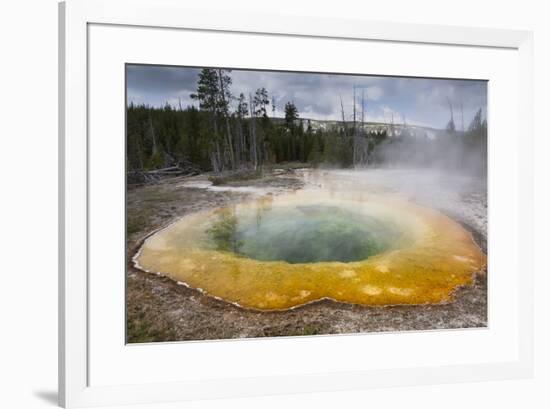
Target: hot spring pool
(279,252)
(303,234)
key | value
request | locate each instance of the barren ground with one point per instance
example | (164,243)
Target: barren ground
(158,309)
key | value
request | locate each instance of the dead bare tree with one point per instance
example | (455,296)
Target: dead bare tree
(462,115)
(451,125)
(354,111)
(363,110)
(364,150)
(355,147)
(253,137)
(343,116)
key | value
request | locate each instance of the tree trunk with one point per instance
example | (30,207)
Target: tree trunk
(343,116)
(253,140)
(227,127)
(238,148)
(153,134)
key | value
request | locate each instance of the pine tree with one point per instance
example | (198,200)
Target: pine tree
(241,114)
(208,90)
(291,114)
(261,101)
(477,122)
(224,97)
(214,95)
(451,127)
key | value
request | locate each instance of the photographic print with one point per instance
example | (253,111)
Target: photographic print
(273,203)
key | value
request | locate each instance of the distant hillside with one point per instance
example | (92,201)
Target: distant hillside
(395,130)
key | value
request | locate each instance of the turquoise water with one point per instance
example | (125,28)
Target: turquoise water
(303,234)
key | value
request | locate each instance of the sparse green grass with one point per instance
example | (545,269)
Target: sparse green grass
(290,165)
(137,220)
(235,177)
(141,330)
(159,196)
(141,209)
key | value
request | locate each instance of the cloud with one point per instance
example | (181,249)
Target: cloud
(317,96)
(374,93)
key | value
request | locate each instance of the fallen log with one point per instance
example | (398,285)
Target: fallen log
(140,177)
(165,170)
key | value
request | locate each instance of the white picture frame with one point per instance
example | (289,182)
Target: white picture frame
(75,19)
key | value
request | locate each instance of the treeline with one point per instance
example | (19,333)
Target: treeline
(230,132)
(448,149)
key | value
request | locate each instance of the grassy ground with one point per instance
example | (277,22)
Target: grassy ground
(240,176)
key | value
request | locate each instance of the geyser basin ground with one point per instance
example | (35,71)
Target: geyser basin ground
(279,252)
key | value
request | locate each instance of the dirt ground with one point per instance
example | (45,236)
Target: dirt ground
(158,309)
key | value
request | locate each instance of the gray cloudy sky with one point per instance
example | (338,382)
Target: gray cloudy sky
(317,96)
